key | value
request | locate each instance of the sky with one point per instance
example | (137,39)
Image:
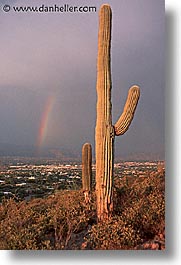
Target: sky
(48,75)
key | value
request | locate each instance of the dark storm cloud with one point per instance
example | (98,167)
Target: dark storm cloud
(44,54)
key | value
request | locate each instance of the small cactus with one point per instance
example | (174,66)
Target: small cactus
(87,171)
(105,131)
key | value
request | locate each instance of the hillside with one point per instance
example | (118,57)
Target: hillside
(63,220)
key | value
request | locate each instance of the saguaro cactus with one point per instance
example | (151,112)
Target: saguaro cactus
(105,131)
(87,170)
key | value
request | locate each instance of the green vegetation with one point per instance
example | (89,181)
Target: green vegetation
(64,221)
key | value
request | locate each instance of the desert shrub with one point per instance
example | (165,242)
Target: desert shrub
(113,234)
(42,223)
(53,222)
(139,214)
(142,204)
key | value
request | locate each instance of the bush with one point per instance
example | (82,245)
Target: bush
(139,214)
(64,221)
(113,234)
(42,223)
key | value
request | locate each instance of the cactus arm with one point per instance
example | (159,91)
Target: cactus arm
(86,167)
(126,117)
(87,171)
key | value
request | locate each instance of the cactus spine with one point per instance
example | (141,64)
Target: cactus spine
(87,170)
(105,131)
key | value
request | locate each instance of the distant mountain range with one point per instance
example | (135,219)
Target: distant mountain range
(16,150)
(64,154)
(32,151)
(140,157)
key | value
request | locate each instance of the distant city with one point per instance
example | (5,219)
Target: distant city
(25,178)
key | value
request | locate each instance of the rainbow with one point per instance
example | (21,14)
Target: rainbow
(42,132)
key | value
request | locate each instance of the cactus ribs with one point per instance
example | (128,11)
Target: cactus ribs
(105,131)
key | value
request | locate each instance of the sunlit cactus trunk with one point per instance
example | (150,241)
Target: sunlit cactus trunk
(87,171)
(104,128)
(105,131)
